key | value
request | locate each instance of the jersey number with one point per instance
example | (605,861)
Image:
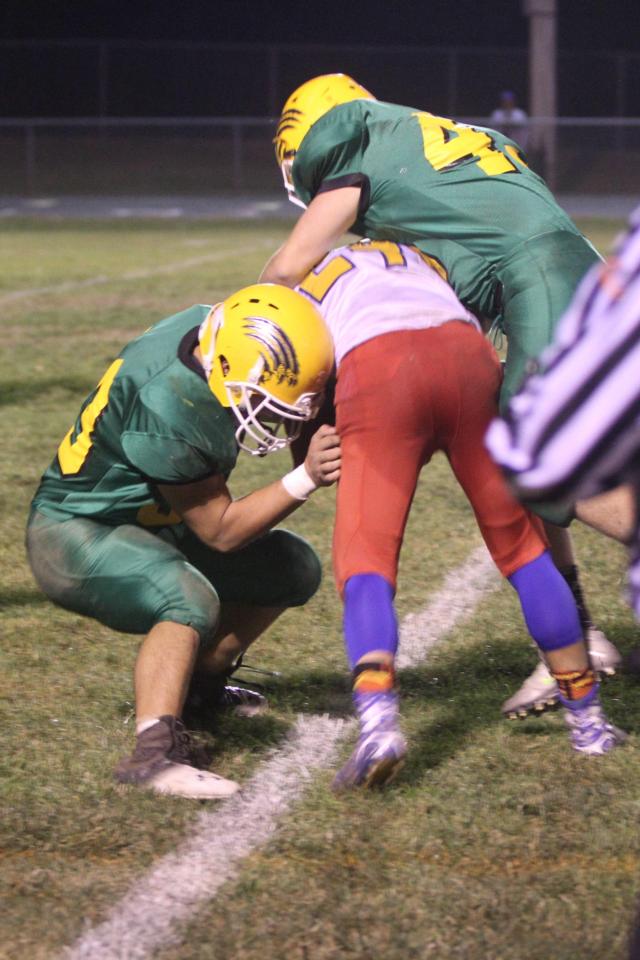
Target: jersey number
(317,285)
(72,454)
(448,144)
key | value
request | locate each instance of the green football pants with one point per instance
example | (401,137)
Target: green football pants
(539,281)
(130,578)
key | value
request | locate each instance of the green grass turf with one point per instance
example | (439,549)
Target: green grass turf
(496,842)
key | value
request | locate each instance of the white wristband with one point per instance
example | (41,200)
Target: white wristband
(298,483)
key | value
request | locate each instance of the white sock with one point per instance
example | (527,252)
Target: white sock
(145,724)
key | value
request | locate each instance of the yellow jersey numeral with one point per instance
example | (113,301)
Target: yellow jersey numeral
(317,285)
(445,152)
(72,454)
(391,252)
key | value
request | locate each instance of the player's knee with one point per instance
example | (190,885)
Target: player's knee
(363,555)
(194,603)
(299,570)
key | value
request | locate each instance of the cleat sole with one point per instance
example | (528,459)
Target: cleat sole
(540,706)
(383,772)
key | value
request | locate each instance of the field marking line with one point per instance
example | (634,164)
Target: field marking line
(169,895)
(461,592)
(142,274)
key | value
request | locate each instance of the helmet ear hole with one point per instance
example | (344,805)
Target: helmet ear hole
(225,366)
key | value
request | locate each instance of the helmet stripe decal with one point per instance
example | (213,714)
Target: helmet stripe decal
(281,360)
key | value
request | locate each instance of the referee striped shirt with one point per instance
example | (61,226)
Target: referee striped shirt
(574,429)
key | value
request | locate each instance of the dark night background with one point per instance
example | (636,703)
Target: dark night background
(175,79)
(583,24)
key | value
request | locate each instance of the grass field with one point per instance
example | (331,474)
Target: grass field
(496,843)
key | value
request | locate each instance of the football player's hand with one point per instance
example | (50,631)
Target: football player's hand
(322,462)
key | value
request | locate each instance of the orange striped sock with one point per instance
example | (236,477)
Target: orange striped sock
(373,677)
(575,684)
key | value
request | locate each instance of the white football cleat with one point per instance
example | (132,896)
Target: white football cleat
(540,691)
(182,780)
(591,732)
(376,760)
(605,657)
(161,762)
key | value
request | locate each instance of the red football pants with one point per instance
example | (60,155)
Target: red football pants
(399,398)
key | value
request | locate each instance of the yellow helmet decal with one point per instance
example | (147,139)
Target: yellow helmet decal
(278,360)
(310,102)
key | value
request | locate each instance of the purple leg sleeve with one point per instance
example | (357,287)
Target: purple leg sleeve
(547,603)
(369,616)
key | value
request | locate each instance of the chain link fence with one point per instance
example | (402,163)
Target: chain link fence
(226,155)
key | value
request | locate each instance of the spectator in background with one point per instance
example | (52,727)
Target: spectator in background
(511,120)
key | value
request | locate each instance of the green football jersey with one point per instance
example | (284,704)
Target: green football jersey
(464,195)
(152,419)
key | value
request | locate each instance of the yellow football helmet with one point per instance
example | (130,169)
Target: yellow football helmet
(306,105)
(268,354)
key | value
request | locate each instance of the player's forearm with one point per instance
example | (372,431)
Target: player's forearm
(284,268)
(322,224)
(247,518)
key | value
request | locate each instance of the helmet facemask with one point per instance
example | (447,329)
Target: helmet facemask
(286,168)
(266,424)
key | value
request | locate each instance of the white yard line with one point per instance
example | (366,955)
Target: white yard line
(142,274)
(162,901)
(462,590)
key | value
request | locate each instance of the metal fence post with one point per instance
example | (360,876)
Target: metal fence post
(542,16)
(103,79)
(236,140)
(273,101)
(30,159)
(452,82)
(621,78)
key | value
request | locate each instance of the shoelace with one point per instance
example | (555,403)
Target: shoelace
(181,750)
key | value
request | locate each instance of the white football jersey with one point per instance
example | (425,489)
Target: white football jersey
(373,287)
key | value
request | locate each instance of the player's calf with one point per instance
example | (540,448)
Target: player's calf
(210,695)
(552,617)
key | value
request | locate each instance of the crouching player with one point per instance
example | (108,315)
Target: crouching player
(133,523)
(416,375)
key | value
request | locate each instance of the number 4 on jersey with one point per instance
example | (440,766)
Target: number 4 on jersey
(447,144)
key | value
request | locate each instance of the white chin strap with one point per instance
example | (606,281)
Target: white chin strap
(285,169)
